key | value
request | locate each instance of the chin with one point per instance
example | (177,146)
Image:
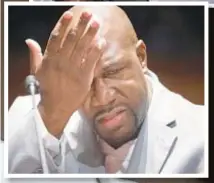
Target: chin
(118,143)
(117,138)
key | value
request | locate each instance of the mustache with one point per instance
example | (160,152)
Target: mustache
(107,109)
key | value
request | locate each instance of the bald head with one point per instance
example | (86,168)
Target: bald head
(113,21)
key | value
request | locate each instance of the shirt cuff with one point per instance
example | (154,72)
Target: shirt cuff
(50,142)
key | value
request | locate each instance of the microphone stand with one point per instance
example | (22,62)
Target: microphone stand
(32,87)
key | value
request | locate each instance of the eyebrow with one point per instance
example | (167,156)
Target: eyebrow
(117,64)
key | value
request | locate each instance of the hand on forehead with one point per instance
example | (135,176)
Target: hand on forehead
(113,25)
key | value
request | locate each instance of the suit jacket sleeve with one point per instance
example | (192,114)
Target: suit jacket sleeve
(24,149)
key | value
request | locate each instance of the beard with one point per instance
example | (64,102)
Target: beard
(127,131)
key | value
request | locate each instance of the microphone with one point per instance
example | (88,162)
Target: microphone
(31,84)
(32,87)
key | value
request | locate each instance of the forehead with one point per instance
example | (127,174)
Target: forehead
(114,54)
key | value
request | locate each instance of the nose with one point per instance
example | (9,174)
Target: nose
(103,94)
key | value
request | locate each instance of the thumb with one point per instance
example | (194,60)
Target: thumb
(35,55)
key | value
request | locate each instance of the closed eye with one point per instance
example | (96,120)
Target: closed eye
(112,72)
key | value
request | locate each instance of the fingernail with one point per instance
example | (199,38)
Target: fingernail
(86,15)
(94,24)
(27,41)
(67,15)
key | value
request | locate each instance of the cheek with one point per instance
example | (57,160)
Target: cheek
(132,88)
(137,87)
(134,92)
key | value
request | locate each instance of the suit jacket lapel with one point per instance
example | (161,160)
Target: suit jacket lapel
(161,142)
(162,136)
(153,148)
(157,139)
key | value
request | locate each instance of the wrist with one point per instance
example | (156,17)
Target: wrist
(55,119)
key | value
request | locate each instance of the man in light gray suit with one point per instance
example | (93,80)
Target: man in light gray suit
(100,109)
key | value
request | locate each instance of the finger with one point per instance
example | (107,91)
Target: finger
(56,37)
(82,24)
(35,55)
(85,42)
(94,56)
(74,34)
(89,36)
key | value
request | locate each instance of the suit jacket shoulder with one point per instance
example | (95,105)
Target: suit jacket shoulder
(185,128)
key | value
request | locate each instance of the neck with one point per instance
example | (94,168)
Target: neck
(114,158)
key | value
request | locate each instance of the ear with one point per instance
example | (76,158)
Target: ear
(141,53)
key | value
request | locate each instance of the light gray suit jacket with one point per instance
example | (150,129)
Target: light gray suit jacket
(171,140)
(174,139)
